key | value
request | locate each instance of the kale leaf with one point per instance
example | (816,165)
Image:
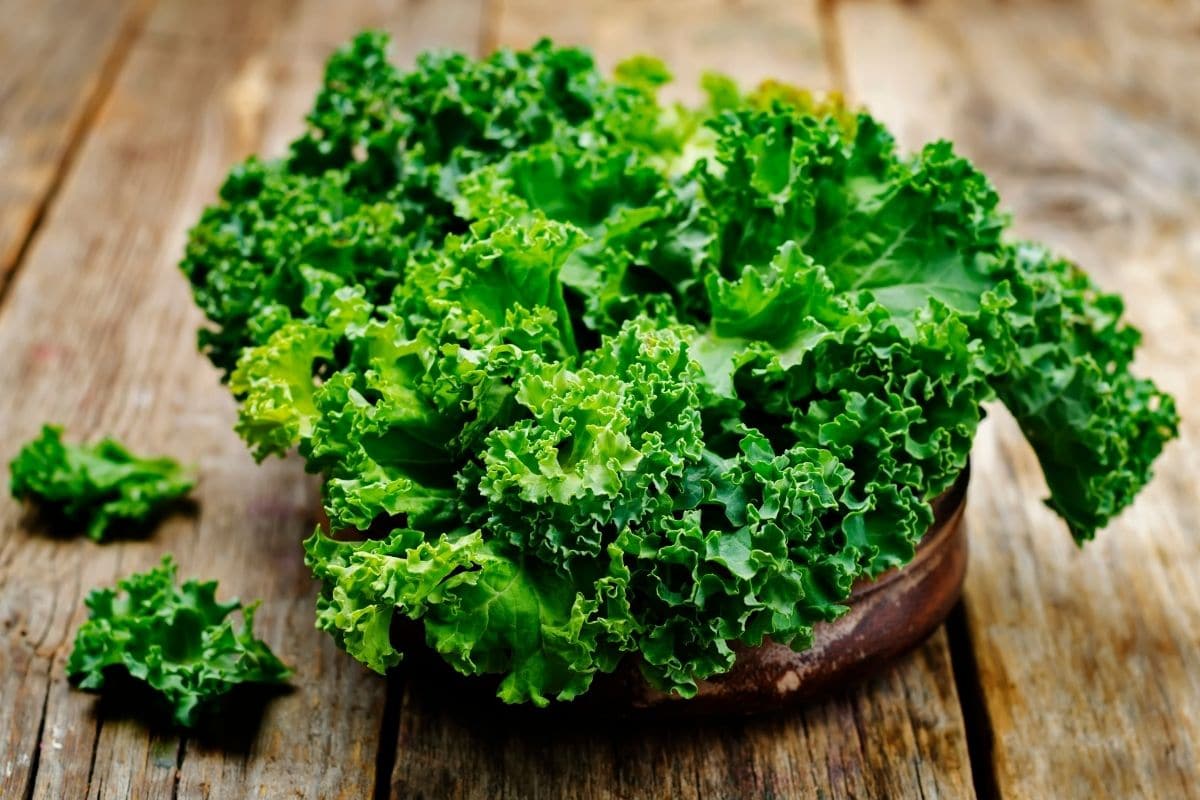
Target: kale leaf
(180,641)
(103,488)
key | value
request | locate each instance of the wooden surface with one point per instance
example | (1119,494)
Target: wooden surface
(59,58)
(1067,673)
(1087,116)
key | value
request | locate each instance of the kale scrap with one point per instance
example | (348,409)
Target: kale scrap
(180,641)
(102,488)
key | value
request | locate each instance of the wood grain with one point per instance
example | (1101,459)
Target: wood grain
(99,333)
(889,738)
(116,126)
(901,735)
(751,40)
(1086,115)
(58,57)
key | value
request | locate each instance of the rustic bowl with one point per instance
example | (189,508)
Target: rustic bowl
(888,616)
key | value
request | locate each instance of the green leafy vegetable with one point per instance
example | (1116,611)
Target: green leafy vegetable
(597,377)
(179,640)
(102,488)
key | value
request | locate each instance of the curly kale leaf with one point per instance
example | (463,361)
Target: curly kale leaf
(1096,428)
(102,488)
(180,641)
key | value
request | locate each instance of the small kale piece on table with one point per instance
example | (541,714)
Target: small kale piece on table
(102,488)
(179,641)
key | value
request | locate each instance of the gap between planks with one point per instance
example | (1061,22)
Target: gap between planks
(978,727)
(106,73)
(831,41)
(389,736)
(489,27)
(117,74)
(967,679)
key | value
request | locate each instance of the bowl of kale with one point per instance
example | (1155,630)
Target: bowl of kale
(605,389)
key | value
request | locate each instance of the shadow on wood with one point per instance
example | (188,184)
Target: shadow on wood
(456,740)
(229,725)
(42,520)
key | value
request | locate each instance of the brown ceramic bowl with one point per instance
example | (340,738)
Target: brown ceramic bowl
(888,616)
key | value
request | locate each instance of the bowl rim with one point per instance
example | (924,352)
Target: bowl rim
(946,506)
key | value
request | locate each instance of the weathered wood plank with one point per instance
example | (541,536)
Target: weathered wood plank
(1086,115)
(751,41)
(99,334)
(889,738)
(57,58)
(900,735)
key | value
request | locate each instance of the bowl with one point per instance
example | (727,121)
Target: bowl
(888,616)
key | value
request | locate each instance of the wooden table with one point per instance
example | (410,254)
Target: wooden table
(1065,673)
